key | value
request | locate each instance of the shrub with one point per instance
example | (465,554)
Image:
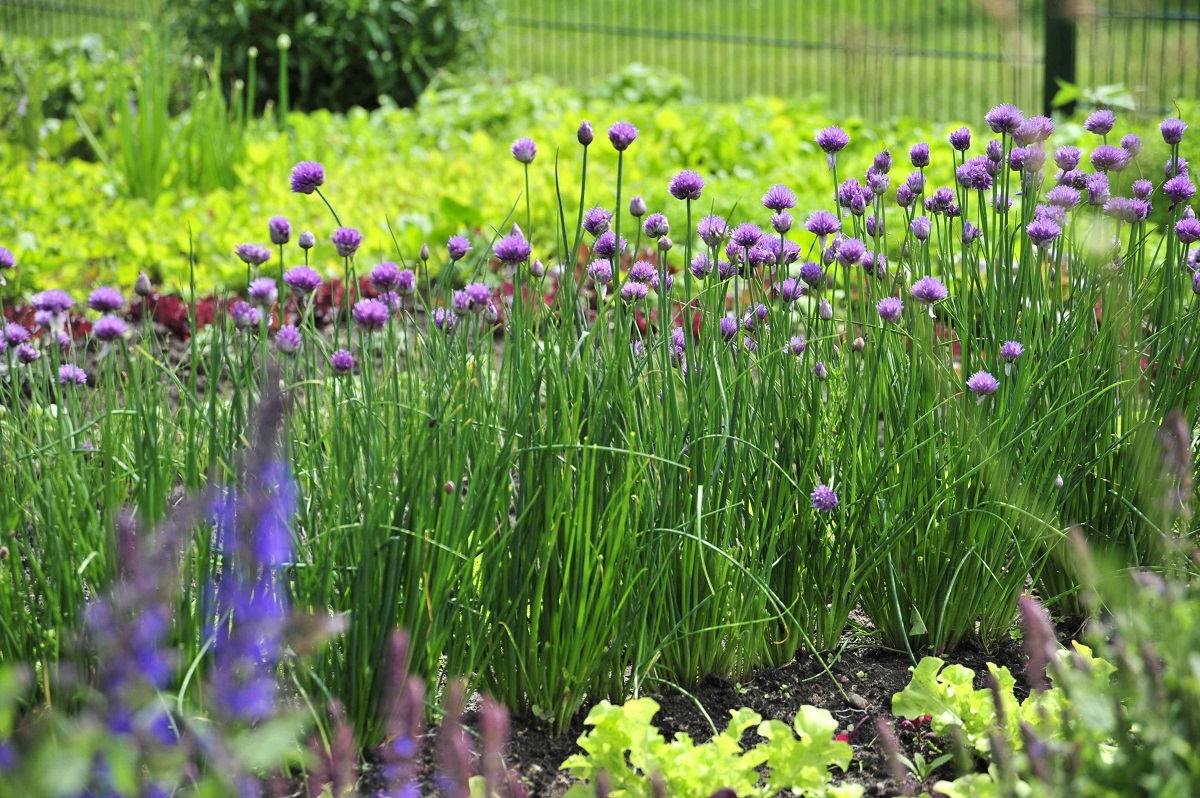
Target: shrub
(342,54)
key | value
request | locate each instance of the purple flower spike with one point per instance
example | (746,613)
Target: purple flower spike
(263,291)
(7,259)
(1011,351)
(656,226)
(288,340)
(1100,122)
(824,499)
(458,247)
(106,300)
(280,230)
(1042,232)
(779,198)
(585,134)
(622,134)
(302,279)
(1107,158)
(982,385)
(252,254)
(890,309)
(1179,189)
(1004,119)
(512,249)
(919,155)
(524,150)
(109,329)
(346,240)
(1172,130)
(686,185)
(960,139)
(596,221)
(307,177)
(71,375)
(371,315)
(832,140)
(342,361)
(929,291)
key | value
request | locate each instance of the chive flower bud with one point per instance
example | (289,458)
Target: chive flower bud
(637,209)
(825,310)
(307,240)
(524,150)
(346,241)
(960,139)
(797,345)
(280,230)
(820,371)
(342,361)
(1172,131)
(656,226)
(585,134)
(919,155)
(621,135)
(288,339)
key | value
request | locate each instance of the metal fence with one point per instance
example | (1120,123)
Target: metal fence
(929,58)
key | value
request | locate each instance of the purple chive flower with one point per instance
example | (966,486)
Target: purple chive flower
(729,327)
(306,240)
(72,375)
(16,334)
(252,254)
(371,315)
(970,233)
(346,240)
(1179,189)
(461,304)
(1004,119)
(585,134)
(302,279)
(823,224)
(921,228)
(656,225)
(606,245)
(760,255)
(781,222)
(712,230)
(882,162)
(27,354)
(832,140)
(746,235)
(109,328)
(890,309)
(797,345)
(1011,351)
(458,247)
(263,291)
(622,134)
(444,320)
(1132,144)
(929,290)
(701,266)
(1097,189)
(1063,197)
(960,139)
(601,272)
(55,301)
(1175,166)
(1066,158)
(851,194)
(7,259)
(641,271)
(1142,189)
(656,280)
(779,198)
(1042,232)
(288,339)
(905,196)
(919,155)
(632,292)
(406,282)
(1034,130)
(106,300)
(982,385)
(823,498)
(1107,158)
(875,263)
(243,315)
(1073,178)
(1172,131)
(975,174)
(820,371)
(1052,212)
(524,150)
(307,177)
(941,201)
(385,277)
(596,220)
(1196,283)
(850,251)
(280,230)
(812,273)
(44,318)
(825,310)
(1188,230)
(994,152)
(1100,122)
(1122,209)
(512,249)
(342,361)
(790,290)
(877,182)
(686,185)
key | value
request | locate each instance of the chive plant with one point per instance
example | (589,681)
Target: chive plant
(650,465)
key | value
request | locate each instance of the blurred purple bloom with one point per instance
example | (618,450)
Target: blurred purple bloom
(307,177)
(524,150)
(1097,189)
(385,277)
(1132,144)
(55,301)
(824,499)
(729,327)
(601,272)
(797,345)
(7,259)
(346,241)
(458,247)
(262,291)
(71,375)
(302,279)
(27,354)
(252,254)
(371,315)
(307,240)
(106,300)
(701,266)
(1063,197)
(632,292)
(342,361)
(882,162)
(1042,232)
(288,339)
(929,290)
(921,228)
(1142,189)
(781,222)
(109,328)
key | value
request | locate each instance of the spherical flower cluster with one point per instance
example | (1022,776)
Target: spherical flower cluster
(797,345)
(1034,130)
(1179,189)
(960,139)
(790,290)
(632,292)
(1097,189)
(109,328)
(458,247)
(919,155)
(701,266)
(746,235)
(1107,158)
(823,224)
(1011,351)
(601,272)
(890,309)
(27,354)
(371,315)
(243,315)
(15,334)
(288,340)
(929,290)
(1175,166)
(1063,197)
(307,177)
(1042,232)
(853,197)
(71,375)
(921,228)
(832,140)
(656,226)
(812,273)
(252,254)
(641,271)
(975,173)
(385,277)
(55,301)
(1172,131)
(524,150)
(882,163)
(596,220)
(621,135)
(512,249)
(1100,122)
(1188,230)
(444,320)
(302,279)
(729,327)
(687,185)
(280,230)
(263,291)
(1004,119)
(342,361)
(1127,210)
(606,245)
(306,240)
(779,198)
(7,259)
(824,499)
(106,300)
(850,251)
(1132,144)
(1066,158)
(346,240)
(712,230)
(982,384)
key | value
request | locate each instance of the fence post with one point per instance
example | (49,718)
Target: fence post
(1059,60)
